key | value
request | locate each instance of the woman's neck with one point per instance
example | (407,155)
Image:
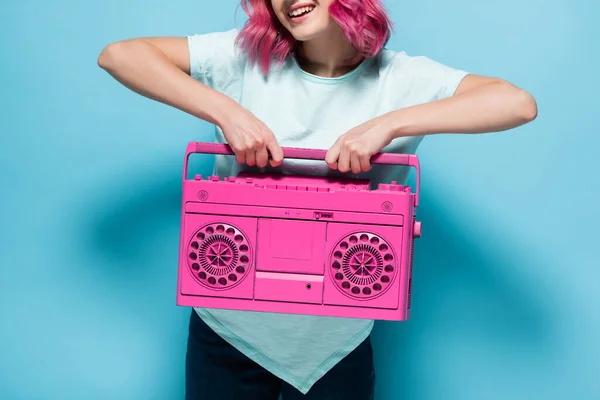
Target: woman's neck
(327,55)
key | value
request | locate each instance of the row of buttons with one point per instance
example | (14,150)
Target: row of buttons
(297,188)
(393,187)
(233,179)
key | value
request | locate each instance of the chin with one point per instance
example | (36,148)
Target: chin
(305,34)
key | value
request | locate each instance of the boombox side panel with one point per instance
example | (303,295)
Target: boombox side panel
(365,266)
(217,256)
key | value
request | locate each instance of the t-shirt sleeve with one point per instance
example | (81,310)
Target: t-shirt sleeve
(428,79)
(216,61)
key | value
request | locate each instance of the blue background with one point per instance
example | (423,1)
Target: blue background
(506,302)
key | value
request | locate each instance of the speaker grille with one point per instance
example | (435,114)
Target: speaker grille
(219,255)
(363,265)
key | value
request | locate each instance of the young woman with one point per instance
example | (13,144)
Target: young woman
(305,73)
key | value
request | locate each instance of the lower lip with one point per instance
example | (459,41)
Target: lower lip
(298,20)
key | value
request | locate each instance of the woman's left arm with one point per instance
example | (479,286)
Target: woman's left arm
(479,105)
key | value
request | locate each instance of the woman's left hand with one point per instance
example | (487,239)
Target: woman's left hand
(354,149)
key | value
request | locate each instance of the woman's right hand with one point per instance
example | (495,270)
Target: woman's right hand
(250,139)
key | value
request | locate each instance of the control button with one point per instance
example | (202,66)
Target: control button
(215,178)
(406,189)
(322,189)
(417,229)
(383,186)
(249,180)
(232,179)
(198,177)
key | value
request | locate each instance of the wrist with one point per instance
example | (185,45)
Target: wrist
(221,109)
(395,124)
(211,105)
(402,123)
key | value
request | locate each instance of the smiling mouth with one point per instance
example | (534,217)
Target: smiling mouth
(300,12)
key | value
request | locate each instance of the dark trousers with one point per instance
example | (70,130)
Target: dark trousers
(215,370)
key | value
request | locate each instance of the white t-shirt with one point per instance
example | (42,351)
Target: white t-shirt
(305,110)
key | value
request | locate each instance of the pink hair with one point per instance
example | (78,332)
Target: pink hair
(364,22)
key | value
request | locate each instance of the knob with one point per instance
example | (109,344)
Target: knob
(417,229)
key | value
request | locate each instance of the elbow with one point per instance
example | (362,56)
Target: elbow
(527,106)
(520,104)
(110,55)
(105,57)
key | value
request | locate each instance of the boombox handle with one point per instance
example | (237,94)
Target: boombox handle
(307,154)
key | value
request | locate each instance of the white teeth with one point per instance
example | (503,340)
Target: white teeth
(300,11)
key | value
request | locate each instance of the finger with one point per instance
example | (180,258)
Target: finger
(269,140)
(344,161)
(262,157)
(238,150)
(365,163)
(258,136)
(355,163)
(331,158)
(240,157)
(249,149)
(251,158)
(276,152)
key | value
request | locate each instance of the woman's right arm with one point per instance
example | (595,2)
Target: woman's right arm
(159,69)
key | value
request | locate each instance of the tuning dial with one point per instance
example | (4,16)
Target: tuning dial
(417,229)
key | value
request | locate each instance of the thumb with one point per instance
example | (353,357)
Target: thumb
(276,153)
(332,156)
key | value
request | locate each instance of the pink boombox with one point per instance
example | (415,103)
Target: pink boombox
(295,244)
